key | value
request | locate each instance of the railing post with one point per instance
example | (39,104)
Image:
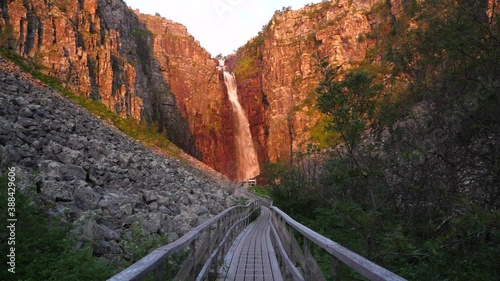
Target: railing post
(307,255)
(209,241)
(193,253)
(217,232)
(160,272)
(335,264)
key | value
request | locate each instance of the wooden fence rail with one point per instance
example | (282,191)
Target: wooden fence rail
(297,263)
(205,247)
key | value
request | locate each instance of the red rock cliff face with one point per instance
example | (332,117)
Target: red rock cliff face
(75,43)
(194,80)
(140,66)
(150,68)
(279,96)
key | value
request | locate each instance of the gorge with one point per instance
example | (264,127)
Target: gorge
(376,123)
(150,69)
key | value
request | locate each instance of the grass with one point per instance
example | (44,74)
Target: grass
(144,133)
(260,191)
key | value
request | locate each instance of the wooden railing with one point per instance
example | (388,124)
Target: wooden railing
(298,263)
(205,247)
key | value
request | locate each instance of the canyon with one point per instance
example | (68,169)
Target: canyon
(151,69)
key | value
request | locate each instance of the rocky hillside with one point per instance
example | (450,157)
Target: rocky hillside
(140,66)
(94,176)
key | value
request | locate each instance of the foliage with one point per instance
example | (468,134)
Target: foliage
(350,102)
(249,61)
(414,183)
(260,190)
(140,243)
(44,246)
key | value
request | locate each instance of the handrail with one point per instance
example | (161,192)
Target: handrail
(155,261)
(368,269)
(296,274)
(215,254)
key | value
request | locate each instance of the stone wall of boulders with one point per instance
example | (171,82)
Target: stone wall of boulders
(90,174)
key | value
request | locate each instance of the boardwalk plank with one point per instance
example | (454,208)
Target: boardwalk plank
(254,258)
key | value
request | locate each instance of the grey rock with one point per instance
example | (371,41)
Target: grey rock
(153,222)
(106,249)
(163,201)
(11,154)
(127,209)
(26,112)
(103,232)
(58,171)
(70,156)
(14,89)
(129,221)
(174,209)
(88,230)
(58,191)
(26,122)
(85,197)
(73,172)
(150,196)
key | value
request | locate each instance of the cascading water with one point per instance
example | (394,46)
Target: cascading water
(247,163)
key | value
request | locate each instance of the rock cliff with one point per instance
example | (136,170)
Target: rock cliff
(140,66)
(151,69)
(279,94)
(196,83)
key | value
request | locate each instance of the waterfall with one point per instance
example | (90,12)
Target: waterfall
(247,163)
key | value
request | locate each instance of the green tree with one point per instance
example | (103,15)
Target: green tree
(349,100)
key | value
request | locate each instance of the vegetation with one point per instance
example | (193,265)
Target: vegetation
(145,133)
(260,191)
(411,176)
(249,61)
(44,246)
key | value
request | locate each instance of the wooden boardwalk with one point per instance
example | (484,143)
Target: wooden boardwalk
(252,256)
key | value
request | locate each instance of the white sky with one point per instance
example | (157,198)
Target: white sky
(221,26)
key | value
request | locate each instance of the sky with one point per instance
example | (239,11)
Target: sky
(221,26)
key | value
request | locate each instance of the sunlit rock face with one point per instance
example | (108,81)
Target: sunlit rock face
(140,66)
(151,69)
(280,96)
(199,89)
